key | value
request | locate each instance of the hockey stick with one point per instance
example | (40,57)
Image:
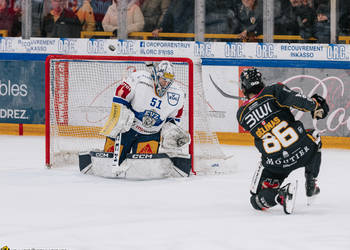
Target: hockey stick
(116,150)
(115,165)
(289,202)
(223,93)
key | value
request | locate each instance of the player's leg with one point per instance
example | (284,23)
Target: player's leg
(311,173)
(265,188)
(312,169)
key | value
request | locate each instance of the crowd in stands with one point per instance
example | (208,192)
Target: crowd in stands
(10,18)
(67,18)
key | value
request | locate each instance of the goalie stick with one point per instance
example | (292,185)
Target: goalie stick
(116,155)
(116,150)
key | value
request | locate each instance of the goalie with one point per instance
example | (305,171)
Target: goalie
(145,108)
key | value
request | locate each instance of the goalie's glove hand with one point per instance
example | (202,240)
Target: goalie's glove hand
(182,141)
(174,136)
(322,109)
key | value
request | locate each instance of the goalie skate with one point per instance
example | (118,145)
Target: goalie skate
(287,195)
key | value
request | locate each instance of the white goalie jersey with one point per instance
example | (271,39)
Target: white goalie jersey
(151,111)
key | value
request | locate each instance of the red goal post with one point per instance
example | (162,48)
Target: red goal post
(78,84)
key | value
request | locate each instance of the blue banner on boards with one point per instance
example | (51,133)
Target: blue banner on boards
(22,92)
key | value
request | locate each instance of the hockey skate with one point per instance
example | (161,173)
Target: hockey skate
(287,196)
(311,188)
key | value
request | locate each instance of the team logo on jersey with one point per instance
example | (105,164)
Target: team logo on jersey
(173,98)
(149,118)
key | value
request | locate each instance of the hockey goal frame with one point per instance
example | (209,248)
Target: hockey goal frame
(117,58)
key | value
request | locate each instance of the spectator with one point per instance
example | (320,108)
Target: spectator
(100,8)
(246,20)
(153,12)
(8,20)
(73,5)
(178,19)
(134,20)
(17,9)
(322,26)
(60,22)
(306,19)
(286,23)
(342,3)
(344,24)
(85,14)
(216,16)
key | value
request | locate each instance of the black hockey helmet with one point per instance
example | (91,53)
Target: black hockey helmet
(251,81)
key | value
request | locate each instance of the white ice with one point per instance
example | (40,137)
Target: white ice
(62,209)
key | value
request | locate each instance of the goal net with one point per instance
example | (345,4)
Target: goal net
(79,93)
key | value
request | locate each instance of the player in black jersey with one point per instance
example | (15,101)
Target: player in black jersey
(283,142)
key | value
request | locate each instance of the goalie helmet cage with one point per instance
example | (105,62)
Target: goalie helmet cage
(79,92)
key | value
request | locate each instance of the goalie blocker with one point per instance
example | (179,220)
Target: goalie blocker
(136,166)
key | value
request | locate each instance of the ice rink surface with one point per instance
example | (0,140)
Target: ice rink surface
(62,209)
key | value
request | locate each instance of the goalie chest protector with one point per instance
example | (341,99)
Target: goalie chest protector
(151,111)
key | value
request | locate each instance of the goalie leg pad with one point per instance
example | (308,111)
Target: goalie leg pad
(109,145)
(147,167)
(85,163)
(155,166)
(102,163)
(183,163)
(148,147)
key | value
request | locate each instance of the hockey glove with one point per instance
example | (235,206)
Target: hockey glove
(322,109)
(174,136)
(115,32)
(120,120)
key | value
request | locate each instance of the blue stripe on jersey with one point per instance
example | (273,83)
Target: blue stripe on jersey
(117,99)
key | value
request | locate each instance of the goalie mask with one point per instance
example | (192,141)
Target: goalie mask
(163,76)
(251,82)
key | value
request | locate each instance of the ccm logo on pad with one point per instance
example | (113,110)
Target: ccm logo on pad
(142,156)
(103,155)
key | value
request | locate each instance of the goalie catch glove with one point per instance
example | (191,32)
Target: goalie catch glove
(120,120)
(174,136)
(322,109)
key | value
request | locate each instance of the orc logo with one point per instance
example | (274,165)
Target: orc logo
(336,52)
